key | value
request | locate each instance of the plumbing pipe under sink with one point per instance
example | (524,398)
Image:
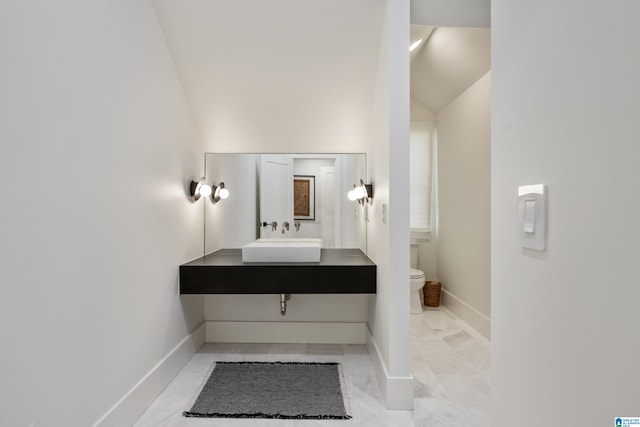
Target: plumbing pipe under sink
(283,303)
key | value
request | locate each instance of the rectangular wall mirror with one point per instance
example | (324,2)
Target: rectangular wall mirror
(284,196)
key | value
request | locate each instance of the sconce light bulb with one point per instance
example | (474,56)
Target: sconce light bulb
(223,193)
(359,192)
(351,195)
(205,190)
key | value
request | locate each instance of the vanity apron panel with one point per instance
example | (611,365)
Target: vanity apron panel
(223,272)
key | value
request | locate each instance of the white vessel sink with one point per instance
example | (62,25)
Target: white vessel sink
(282,250)
(290,240)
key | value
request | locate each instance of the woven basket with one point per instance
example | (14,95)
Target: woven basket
(432,294)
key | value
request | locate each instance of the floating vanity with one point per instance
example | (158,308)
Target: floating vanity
(346,271)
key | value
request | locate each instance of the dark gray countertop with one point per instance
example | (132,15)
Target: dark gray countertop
(328,257)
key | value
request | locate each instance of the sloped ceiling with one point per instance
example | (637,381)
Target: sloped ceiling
(290,70)
(419,34)
(447,63)
(276,71)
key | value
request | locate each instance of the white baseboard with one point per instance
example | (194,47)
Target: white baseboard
(287,332)
(472,317)
(397,392)
(133,404)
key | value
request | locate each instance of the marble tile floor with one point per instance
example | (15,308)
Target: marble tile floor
(450,364)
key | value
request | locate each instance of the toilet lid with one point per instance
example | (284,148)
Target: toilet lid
(416,274)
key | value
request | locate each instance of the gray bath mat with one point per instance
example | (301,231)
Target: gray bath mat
(272,390)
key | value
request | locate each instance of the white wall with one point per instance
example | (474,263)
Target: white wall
(97,150)
(388,243)
(464,197)
(287,77)
(345,308)
(565,321)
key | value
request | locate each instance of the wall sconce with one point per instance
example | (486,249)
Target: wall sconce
(199,188)
(362,193)
(219,193)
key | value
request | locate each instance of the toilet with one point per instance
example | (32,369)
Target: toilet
(417,283)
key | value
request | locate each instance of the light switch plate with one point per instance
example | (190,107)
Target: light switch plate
(532,216)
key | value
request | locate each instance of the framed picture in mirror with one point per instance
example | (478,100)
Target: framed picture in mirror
(304,194)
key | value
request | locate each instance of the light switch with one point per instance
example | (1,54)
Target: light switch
(532,216)
(529,216)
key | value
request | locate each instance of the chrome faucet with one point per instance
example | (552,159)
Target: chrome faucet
(297,225)
(285,226)
(274,226)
